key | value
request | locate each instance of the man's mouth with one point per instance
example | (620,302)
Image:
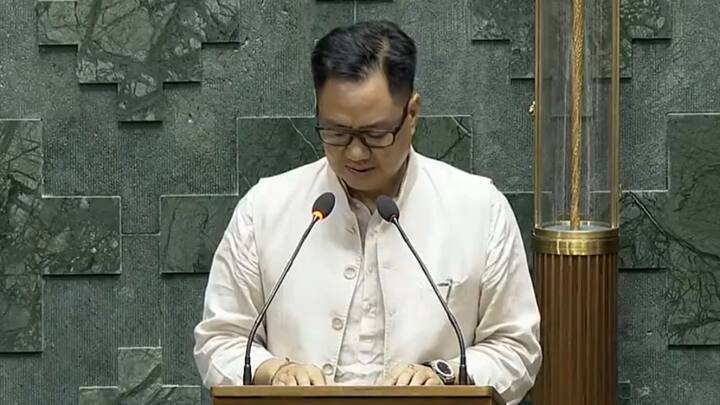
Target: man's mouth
(359,170)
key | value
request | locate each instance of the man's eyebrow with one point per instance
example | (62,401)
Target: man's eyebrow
(376,125)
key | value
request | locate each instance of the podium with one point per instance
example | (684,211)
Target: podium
(337,395)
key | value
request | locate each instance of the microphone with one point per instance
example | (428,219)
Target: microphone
(322,207)
(389,211)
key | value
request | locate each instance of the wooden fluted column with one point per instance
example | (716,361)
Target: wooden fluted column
(576,287)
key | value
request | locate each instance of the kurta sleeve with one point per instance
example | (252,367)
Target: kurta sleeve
(233,299)
(506,351)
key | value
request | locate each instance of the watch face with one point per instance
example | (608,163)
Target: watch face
(444,368)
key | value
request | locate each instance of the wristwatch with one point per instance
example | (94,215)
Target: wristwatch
(443,370)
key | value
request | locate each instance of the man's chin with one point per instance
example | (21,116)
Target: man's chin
(358,184)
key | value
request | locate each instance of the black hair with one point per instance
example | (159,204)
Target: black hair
(354,51)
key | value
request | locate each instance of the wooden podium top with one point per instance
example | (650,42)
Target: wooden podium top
(335,395)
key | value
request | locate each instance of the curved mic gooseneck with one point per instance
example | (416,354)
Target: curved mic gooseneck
(322,207)
(390,212)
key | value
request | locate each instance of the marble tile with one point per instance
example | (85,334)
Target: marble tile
(680,231)
(643,241)
(493,20)
(82,236)
(139,374)
(21,313)
(20,278)
(179,395)
(57,23)
(449,139)
(20,155)
(190,231)
(691,218)
(139,46)
(50,235)
(99,396)
(56,236)
(270,146)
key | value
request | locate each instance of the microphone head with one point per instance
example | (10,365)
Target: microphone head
(387,208)
(323,206)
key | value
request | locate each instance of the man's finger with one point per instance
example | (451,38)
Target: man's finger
(290,380)
(420,377)
(392,376)
(405,377)
(316,376)
(302,376)
(278,380)
(434,381)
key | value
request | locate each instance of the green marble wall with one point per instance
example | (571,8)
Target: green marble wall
(128,131)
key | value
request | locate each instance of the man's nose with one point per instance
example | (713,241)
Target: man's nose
(356,150)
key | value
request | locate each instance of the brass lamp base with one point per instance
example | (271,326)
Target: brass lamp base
(575,275)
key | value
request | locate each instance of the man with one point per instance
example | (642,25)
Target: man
(355,308)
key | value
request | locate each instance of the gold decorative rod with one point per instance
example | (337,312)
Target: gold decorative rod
(576,89)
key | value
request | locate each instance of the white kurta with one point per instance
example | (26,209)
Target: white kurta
(461,225)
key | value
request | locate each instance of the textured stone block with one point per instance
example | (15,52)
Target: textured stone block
(183,296)
(642,337)
(190,231)
(140,376)
(140,312)
(137,45)
(522,205)
(514,21)
(83,324)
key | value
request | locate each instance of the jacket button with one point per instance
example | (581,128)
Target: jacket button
(350,273)
(337,323)
(328,369)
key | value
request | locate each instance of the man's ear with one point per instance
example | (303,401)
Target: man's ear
(414,111)
(414,106)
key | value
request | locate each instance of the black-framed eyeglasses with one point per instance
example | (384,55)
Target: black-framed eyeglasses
(374,138)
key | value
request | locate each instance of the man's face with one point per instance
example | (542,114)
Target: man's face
(367,106)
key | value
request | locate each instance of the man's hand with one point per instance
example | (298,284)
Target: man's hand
(277,371)
(412,374)
(298,374)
